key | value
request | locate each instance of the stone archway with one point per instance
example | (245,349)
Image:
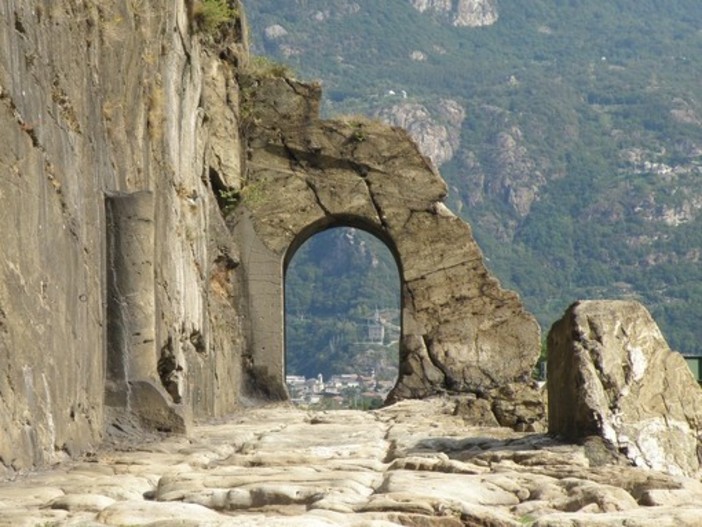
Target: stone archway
(461,331)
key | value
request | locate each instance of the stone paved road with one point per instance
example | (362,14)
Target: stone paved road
(413,464)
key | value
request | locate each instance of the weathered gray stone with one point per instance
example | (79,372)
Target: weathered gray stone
(476,411)
(593,497)
(430,487)
(639,518)
(81,502)
(18,518)
(100,99)
(131,310)
(219,90)
(145,512)
(461,331)
(133,367)
(520,406)
(119,487)
(611,373)
(469,13)
(476,13)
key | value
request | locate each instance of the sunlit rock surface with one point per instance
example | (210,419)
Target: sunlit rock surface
(414,463)
(468,13)
(612,374)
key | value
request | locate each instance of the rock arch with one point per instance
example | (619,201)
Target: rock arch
(461,331)
(337,221)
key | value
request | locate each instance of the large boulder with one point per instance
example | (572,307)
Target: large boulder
(612,374)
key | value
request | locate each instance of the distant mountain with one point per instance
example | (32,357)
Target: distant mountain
(569,131)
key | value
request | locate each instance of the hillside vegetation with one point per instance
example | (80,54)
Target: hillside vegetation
(335,285)
(578,157)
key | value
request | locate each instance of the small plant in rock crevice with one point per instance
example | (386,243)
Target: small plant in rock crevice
(263,67)
(228,200)
(251,194)
(254,193)
(210,15)
(358,135)
(359,125)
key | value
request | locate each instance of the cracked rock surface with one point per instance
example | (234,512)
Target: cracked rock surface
(412,464)
(612,374)
(461,331)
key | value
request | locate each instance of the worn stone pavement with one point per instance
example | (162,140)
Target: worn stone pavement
(412,464)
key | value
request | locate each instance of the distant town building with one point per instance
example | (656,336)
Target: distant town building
(345,380)
(346,390)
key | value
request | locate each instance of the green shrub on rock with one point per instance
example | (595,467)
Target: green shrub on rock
(209,15)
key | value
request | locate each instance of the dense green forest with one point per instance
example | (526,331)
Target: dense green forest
(580,158)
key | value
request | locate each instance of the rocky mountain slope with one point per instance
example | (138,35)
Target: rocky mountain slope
(570,132)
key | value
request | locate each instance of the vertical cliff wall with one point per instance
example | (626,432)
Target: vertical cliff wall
(112,101)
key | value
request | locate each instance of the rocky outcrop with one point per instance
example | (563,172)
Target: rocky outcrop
(509,173)
(475,13)
(519,178)
(467,13)
(460,330)
(437,132)
(611,374)
(519,406)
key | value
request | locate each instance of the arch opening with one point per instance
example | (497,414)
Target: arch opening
(342,316)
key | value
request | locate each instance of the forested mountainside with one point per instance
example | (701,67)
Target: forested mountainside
(340,284)
(569,131)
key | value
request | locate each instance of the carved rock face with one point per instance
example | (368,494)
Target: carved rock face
(460,330)
(612,374)
(77,129)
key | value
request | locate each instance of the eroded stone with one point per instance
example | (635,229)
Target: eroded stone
(461,331)
(612,374)
(411,464)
